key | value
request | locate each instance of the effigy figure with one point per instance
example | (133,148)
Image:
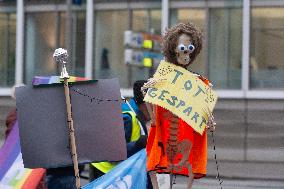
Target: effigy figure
(174,146)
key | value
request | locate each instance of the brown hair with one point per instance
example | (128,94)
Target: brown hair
(170,41)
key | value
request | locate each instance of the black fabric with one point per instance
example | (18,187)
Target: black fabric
(63,171)
(127,119)
(141,142)
(95,173)
(138,95)
(143,123)
(10,121)
(104,59)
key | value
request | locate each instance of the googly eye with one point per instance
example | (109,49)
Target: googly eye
(191,48)
(181,47)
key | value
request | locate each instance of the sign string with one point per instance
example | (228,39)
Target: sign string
(216,161)
(93,99)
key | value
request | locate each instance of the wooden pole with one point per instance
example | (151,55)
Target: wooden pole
(71,133)
(60,55)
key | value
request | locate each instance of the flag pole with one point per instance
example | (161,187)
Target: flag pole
(60,55)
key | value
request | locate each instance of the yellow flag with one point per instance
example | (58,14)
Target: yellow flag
(182,93)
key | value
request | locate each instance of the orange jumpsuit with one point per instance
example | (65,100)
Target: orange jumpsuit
(175,148)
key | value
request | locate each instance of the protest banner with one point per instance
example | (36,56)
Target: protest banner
(131,173)
(183,93)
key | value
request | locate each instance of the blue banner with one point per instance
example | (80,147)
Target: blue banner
(129,174)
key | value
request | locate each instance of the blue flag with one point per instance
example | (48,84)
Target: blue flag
(129,174)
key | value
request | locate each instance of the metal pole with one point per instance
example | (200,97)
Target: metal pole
(74,42)
(89,39)
(129,27)
(245,46)
(6,48)
(245,65)
(164,26)
(68,29)
(165,15)
(226,45)
(206,39)
(20,42)
(57,35)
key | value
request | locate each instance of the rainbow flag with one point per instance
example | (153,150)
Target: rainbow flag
(45,80)
(12,171)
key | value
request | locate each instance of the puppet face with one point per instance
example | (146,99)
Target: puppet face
(184,49)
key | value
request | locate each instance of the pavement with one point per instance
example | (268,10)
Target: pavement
(213,183)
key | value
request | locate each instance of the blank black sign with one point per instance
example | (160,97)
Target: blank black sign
(98,124)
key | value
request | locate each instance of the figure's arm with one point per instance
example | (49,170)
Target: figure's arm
(211,121)
(151,82)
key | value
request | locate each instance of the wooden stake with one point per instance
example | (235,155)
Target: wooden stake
(71,133)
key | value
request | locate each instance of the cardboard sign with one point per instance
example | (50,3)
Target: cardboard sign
(182,93)
(98,124)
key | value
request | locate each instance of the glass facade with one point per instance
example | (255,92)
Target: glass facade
(225,47)
(109,50)
(7,49)
(109,46)
(78,43)
(49,27)
(148,21)
(42,38)
(140,23)
(40,44)
(266,48)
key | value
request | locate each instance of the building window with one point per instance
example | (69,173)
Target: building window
(44,32)
(145,21)
(225,47)
(109,46)
(7,49)
(78,36)
(109,49)
(40,37)
(266,48)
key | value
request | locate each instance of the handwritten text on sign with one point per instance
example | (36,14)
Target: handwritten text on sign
(182,93)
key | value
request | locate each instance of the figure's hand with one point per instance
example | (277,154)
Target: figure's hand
(151,83)
(211,122)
